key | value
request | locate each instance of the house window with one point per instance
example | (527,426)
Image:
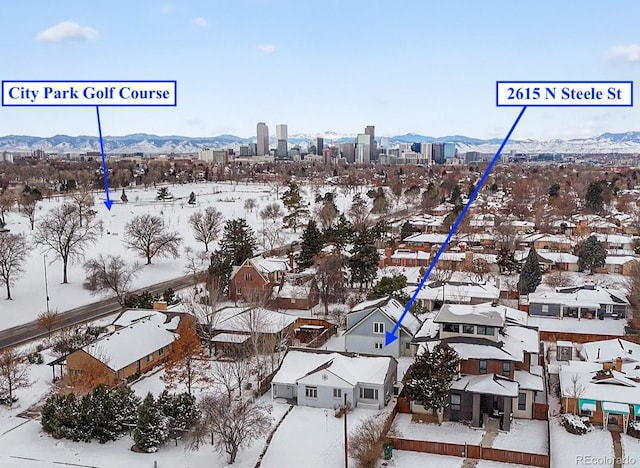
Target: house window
(238,292)
(248,277)
(487,331)
(586,412)
(150,357)
(506,369)
(455,402)
(377,345)
(483,366)
(522,401)
(545,308)
(337,393)
(468,329)
(311,392)
(368,393)
(407,345)
(378,328)
(161,351)
(451,327)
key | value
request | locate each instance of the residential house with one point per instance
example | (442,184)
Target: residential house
(586,301)
(620,265)
(257,277)
(127,352)
(553,242)
(298,293)
(562,261)
(368,322)
(617,244)
(497,351)
(323,379)
(454,292)
(425,242)
(409,258)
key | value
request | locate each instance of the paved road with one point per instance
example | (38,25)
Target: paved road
(31,331)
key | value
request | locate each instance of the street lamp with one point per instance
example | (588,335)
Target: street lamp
(46,282)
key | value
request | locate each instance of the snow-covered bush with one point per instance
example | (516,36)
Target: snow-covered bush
(634,429)
(576,424)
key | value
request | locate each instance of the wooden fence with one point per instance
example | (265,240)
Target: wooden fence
(541,411)
(322,338)
(471,451)
(576,337)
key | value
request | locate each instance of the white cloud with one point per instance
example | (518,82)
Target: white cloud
(626,53)
(67,31)
(267,49)
(200,22)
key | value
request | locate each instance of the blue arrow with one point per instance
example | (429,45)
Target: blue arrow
(390,337)
(108,202)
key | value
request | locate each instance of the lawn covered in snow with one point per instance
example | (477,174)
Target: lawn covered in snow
(630,450)
(567,447)
(525,436)
(29,289)
(452,432)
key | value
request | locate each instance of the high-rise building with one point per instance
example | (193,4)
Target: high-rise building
(348,152)
(437,153)
(318,143)
(262,139)
(281,150)
(281,132)
(363,149)
(449,151)
(373,146)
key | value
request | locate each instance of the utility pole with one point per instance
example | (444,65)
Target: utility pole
(346,448)
(46,282)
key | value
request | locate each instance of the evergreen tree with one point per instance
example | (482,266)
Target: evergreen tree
(60,416)
(364,259)
(594,198)
(388,285)
(102,414)
(220,268)
(192,198)
(125,406)
(428,380)
(506,260)
(591,255)
(181,410)
(340,233)
(163,194)
(406,230)
(292,201)
(238,241)
(151,431)
(456,195)
(531,274)
(554,190)
(124,197)
(311,245)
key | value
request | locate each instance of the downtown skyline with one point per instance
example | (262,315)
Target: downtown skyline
(322,67)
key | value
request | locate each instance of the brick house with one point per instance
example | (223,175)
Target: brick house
(297,294)
(257,275)
(127,352)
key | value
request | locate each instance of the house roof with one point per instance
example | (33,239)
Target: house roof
(482,348)
(426,238)
(610,350)
(128,345)
(453,291)
(354,369)
(528,381)
(576,381)
(392,309)
(489,384)
(248,320)
(487,313)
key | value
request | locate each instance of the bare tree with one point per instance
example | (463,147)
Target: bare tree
(575,389)
(633,286)
(196,264)
(186,364)
(271,235)
(48,321)
(14,373)
(222,375)
(27,205)
(83,201)
(330,276)
(7,200)
(206,225)
(13,253)
(148,236)
(272,212)
(557,279)
(367,441)
(110,274)
(250,205)
(231,424)
(62,232)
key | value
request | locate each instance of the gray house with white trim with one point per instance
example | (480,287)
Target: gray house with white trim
(321,379)
(582,301)
(368,322)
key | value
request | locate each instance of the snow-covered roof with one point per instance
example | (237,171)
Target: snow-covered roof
(128,345)
(579,297)
(520,339)
(411,254)
(577,381)
(528,381)
(619,260)
(258,320)
(619,239)
(489,384)
(230,338)
(558,257)
(455,291)
(130,316)
(487,313)
(392,309)
(475,349)
(270,264)
(426,238)
(610,350)
(354,369)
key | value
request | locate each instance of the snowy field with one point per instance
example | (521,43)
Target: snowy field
(452,432)
(29,291)
(404,459)
(630,450)
(566,447)
(525,436)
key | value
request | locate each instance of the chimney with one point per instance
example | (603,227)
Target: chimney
(498,283)
(160,305)
(291,266)
(619,364)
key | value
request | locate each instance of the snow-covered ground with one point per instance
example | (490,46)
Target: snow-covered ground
(29,290)
(525,436)
(312,437)
(452,432)
(404,459)
(630,451)
(570,450)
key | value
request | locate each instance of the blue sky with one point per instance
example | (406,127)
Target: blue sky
(409,66)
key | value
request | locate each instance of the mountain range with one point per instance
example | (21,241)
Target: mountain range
(628,142)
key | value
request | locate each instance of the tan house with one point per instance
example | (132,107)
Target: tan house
(127,352)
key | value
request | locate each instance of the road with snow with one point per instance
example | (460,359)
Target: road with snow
(32,331)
